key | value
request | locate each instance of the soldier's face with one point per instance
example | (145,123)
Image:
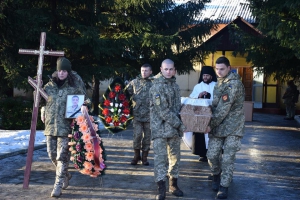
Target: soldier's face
(222,70)
(206,78)
(145,72)
(167,70)
(62,74)
(75,101)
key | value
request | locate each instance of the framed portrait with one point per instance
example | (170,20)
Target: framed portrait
(73,107)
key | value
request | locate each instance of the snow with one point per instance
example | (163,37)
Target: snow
(16,140)
(11,141)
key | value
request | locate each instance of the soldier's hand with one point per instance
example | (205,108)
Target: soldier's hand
(207,129)
(202,94)
(43,114)
(182,128)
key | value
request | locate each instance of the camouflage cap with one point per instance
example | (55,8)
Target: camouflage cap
(63,63)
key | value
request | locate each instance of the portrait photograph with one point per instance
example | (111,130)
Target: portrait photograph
(74,103)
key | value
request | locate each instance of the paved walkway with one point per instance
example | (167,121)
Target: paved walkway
(267,167)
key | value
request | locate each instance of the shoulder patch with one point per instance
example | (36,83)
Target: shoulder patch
(225,98)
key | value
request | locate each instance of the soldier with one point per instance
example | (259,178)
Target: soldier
(166,128)
(57,127)
(139,89)
(290,98)
(226,126)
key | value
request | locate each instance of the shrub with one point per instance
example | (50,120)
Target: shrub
(16,114)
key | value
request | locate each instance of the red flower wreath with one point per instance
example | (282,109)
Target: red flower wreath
(116,111)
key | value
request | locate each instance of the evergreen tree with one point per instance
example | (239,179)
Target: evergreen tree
(280,20)
(102,39)
(276,52)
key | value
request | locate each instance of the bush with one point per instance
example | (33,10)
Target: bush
(16,114)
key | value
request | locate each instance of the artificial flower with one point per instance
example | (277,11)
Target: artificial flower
(117,88)
(80,119)
(82,147)
(123,119)
(86,137)
(112,95)
(125,103)
(120,105)
(88,165)
(108,119)
(126,111)
(116,123)
(88,146)
(83,128)
(115,118)
(122,97)
(107,103)
(78,147)
(76,136)
(105,111)
(89,156)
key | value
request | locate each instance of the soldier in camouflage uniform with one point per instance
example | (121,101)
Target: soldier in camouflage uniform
(226,126)
(166,128)
(139,89)
(57,127)
(290,95)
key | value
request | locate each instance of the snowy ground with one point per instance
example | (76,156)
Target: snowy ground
(16,140)
(11,141)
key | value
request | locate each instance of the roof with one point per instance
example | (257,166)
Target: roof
(225,11)
(225,44)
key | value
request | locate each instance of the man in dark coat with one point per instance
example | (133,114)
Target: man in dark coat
(204,89)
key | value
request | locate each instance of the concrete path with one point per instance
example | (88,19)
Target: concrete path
(267,167)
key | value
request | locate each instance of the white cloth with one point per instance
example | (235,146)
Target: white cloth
(200,87)
(187,139)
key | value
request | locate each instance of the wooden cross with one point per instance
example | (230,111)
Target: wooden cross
(38,90)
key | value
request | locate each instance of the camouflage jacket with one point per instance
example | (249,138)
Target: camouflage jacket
(139,90)
(228,107)
(55,122)
(289,95)
(164,108)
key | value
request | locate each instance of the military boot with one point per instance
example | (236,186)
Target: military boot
(144,157)
(223,192)
(56,192)
(215,182)
(161,190)
(173,188)
(137,157)
(66,180)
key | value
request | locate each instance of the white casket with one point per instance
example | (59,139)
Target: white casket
(195,114)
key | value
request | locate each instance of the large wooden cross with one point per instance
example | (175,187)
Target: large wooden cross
(38,91)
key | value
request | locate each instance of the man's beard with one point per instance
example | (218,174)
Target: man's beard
(208,81)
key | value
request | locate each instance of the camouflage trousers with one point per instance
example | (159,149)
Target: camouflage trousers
(231,145)
(58,152)
(166,155)
(141,135)
(290,110)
